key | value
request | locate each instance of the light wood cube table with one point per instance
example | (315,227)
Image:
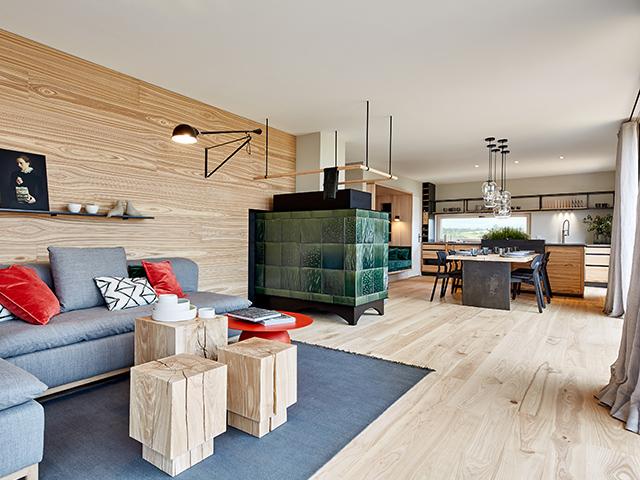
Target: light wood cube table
(263,382)
(200,336)
(178,404)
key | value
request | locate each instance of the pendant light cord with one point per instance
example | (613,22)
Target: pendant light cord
(634,106)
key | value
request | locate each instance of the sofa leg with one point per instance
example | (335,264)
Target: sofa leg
(27,473)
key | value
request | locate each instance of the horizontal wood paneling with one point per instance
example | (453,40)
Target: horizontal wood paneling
(106,137)
(566,269)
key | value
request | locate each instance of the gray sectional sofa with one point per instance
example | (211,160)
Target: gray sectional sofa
(74,346)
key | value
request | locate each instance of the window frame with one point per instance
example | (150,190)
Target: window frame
(443,216)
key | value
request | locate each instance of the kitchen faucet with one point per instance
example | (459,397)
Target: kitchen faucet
(565,230)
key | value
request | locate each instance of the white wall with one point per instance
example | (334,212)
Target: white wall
(316,151)
(547,224)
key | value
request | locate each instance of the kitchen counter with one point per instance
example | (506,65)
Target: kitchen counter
(565,244)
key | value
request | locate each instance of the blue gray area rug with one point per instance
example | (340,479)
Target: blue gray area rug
(339,394)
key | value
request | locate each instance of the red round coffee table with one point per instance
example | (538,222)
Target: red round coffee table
(270,332)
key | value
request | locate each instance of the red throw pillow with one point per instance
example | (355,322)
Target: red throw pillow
(26,296)
(162,278)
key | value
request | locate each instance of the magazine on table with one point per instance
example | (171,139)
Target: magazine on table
(261,315)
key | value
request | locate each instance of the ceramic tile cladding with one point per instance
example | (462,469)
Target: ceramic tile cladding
(337,256)
(333,230)
(333,282)
(333,256)
(273,230)
(311,255)
(259,230)
(273,254)
(291,230)
(310,280)
(311,230)
(259,253)
(291,254)
(290,278)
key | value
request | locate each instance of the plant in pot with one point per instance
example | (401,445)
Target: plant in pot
(505,233)
(601,226)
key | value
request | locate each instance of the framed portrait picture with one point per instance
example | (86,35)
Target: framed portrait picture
(23,181)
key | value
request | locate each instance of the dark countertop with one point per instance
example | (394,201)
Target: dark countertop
(566,244)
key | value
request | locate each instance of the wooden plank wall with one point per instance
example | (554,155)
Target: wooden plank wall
(106,136)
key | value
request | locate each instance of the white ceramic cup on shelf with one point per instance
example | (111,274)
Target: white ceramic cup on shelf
(91,209)
(207,312)
(74,207)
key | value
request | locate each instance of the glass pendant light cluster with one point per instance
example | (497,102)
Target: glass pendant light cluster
(497,198)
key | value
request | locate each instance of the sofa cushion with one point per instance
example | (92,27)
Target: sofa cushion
(185,270)
(123,292)
(26,296)
(20,338)
(136,271)
(404,253)
(6,314)
(162,278)
(18,386)
(393,254)
(73,270)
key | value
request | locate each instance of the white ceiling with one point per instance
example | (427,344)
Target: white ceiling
(555,77)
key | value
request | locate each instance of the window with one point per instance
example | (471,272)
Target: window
(473,227)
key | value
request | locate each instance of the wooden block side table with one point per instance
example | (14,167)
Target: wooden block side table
(200,336)
(262,383)
(178,404)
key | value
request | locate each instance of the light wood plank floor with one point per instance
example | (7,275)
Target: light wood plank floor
(511,396)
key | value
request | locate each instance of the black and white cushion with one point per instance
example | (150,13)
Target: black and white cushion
(123,292)
(6,314)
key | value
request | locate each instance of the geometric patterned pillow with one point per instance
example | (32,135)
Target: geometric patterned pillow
(122,292)
(6,314)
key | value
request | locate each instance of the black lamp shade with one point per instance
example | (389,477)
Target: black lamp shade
(184,133)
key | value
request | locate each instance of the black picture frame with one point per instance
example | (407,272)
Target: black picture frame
(23,189)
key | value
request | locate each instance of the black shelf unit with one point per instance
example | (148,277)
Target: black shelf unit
(54,213)
(428,209)
(465,202)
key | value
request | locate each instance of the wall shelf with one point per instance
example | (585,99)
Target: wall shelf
(79,214)
(534,203)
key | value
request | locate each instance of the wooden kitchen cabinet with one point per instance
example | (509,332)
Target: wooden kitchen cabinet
(566,269)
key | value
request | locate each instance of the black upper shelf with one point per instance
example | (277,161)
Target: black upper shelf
(53,213)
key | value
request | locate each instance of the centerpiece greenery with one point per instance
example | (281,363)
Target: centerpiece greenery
(601,226)
(506,233)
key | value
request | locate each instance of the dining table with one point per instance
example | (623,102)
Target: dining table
(486,278)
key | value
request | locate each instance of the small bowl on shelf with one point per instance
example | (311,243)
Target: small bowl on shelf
(93,209)
(74,207)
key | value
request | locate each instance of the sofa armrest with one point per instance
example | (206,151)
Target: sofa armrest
(17,386)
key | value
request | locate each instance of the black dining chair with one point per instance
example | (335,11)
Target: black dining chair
(545,276)
(455,269)
(532,278)
(444,273)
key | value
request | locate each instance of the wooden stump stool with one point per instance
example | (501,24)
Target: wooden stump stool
(200,336)
(263,382)
(178,404)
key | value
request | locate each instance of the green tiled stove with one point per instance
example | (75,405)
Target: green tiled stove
(336,260)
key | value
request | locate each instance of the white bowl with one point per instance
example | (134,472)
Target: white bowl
(74,207)
(168,298)
(179,316)
(91,209)
(207,313)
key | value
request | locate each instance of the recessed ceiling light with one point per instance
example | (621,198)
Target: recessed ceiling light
(561,157)
(476,166)
(516,161)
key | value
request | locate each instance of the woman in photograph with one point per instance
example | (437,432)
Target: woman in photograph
(27,184)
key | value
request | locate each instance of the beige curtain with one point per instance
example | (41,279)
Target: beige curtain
(624,220)
(622,394)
